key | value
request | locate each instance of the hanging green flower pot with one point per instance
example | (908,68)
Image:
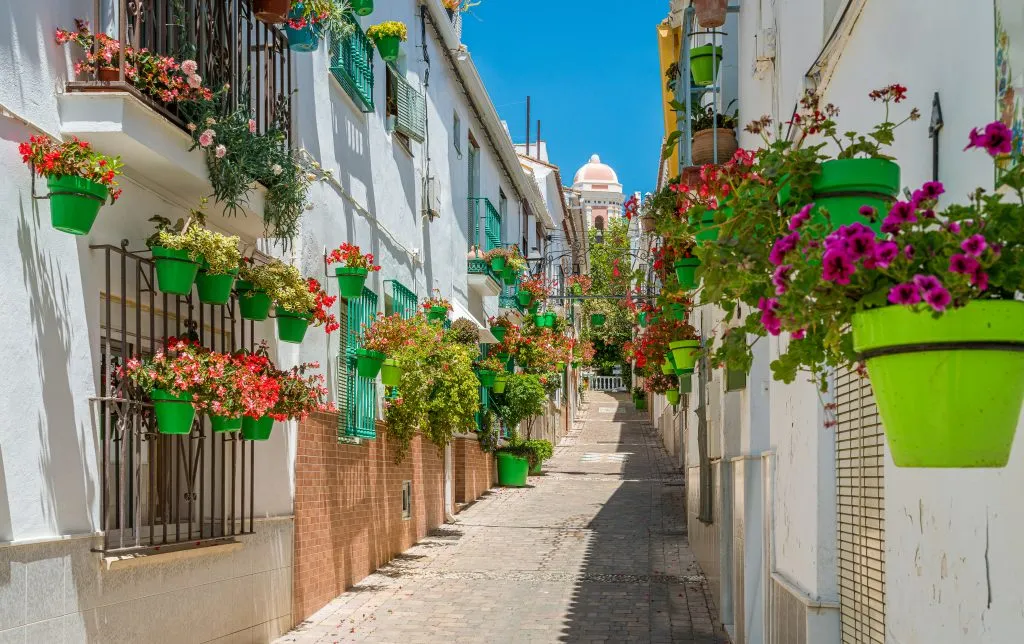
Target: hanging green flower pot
(597,319)
(500,381)
(576,289)
(686,272)
(498,264)
(291,327)
(684,354)
(361,7)
(215,289)
(504,357)
(678,312)
(257,429)
(525,298)
(437,314)
(540,319)
(672,396)
(552,316)
(369,363)
(253,303)
(509,275)
(846,185)
(512,470)
(949,390)
(704,64)
(487,377)
(388,47)
(351,281)
(499,332)
(222,424)
(174,414)
(642,319)
(667,368)
(75,203)
(707,231)
(390,373)
(685,384)
(175,270)
(534,307)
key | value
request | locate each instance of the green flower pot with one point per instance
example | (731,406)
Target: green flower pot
(667,368)
(75,203)
(534,307)
(351,281)
(388,47)
(575,364)
(437,314)
(512,470)
(540,319)
(678,312)
(642,319)
(949,390)
(362,7)
(525,298)
(257,429)
(704,64)
(222,424)
(369,363)
(686,384)
(560,366)
(597,319)
(684,354)
(498,264)
(487,377)
(509,275)
(390,373)
(253,304)
(686,272)
(500,381)
(215,289)
(672,396)
(706,228)
(175,270)
(640,403)
(174,414)
(499,332)
(291,327)
(552,316)
(845,185)
(503,357)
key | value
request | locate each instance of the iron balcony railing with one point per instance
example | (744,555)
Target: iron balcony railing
(403,301)
(230,47)
(352,64)
(158,490)
(482,267)
(483,215)
(509,298)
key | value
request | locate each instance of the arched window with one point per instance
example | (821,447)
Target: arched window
(599,223)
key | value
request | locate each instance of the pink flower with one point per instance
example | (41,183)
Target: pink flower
(927,283)
(974,245)
(206,138)
(252,126)
(905,294)
(782,247)
(769,315)
(964,264)
(195,81)
(221,151)
(980,280)
(781,278)
(799,334)
(189,67)
(800,218)
(885,253)
(938,298)
(837,267)
(997,139)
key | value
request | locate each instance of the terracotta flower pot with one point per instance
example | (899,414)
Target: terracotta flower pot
(710,13)
(272,12)
(704,146)
(108,74)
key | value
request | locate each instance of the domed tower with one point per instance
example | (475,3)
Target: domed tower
(600,192)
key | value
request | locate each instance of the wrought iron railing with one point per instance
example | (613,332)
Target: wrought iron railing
(483,215)
(403,301)
(352,64)
(509,298)
(159,490)
(481,267)
(230,47)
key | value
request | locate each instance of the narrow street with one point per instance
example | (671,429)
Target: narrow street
(595,551)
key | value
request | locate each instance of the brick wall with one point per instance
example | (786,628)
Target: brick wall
(348,508)
(473,470)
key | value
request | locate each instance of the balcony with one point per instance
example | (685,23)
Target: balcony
(352,66)
(508,302)
(482,279)
(230,48)
(483,215)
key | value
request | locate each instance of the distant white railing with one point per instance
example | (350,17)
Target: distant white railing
(606,383)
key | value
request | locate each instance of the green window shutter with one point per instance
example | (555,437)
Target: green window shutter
(493,227)
(360,410)
(352,64)
(343,395)
(411,119)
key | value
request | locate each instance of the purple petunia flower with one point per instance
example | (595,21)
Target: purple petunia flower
(886,253)
(996,139)
(927,283)
(903,212)
(980,280)
(800,218)
(938,298)
(953,227)
(799,334)
(905,294)
(974,245)
(837,267)
(769,315)
(781,278)
(868,211)
(964,264)
(930,191)
(782,247)
(908,251)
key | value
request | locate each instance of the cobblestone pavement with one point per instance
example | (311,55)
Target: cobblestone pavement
(594,551)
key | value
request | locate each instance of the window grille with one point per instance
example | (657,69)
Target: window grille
(860,492)
(403,301)
(407,105)
(159,490)
(357,396)
(352,64)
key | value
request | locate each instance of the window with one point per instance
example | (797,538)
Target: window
(406,499)
(406,107)
(352,65)
(357,396)
(457,133)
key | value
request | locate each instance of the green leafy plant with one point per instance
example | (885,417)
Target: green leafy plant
(219,252)
(72,158)
(522,401)
(455,396)
(490,363)
(542,449)
(326,15)
(388,29)
(464,332)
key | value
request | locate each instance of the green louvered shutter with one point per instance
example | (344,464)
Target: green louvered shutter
(360,394)
(412,108)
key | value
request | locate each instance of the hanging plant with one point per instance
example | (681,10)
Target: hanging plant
(179,247)
(388,36)
(379,344)
(80,180)
(178,380)
(254,286)
(354,269)
(500,326)
(437,307)
(301,303)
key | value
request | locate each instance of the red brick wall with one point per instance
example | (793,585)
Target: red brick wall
(473,470)
(348,508)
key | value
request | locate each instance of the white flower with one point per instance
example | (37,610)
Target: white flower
(195,81)
(276,169)
(210,120)
(191,127)
(221,151)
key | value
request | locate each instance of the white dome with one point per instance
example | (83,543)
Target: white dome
(596,172)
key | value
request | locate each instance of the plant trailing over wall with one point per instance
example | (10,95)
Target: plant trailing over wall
(323,15)
(522,401)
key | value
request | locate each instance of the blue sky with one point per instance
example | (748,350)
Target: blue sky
(591,69)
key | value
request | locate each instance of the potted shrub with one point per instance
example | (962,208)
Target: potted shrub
(388,36)
(378,344)
(667,384)
(497,258)
(707,126)
(177,380)
(685,349)
(487,369)
(246,384)
(500,327)
(177,263)
(354,269)
(542,451)
(255,284)
(705,62)
(639,398)
(299,303)
(436,308)
(216,255)
(580,284)
(931,308)
(79,179)
(710,13)
(515,264)
(308,20)
(537,289)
